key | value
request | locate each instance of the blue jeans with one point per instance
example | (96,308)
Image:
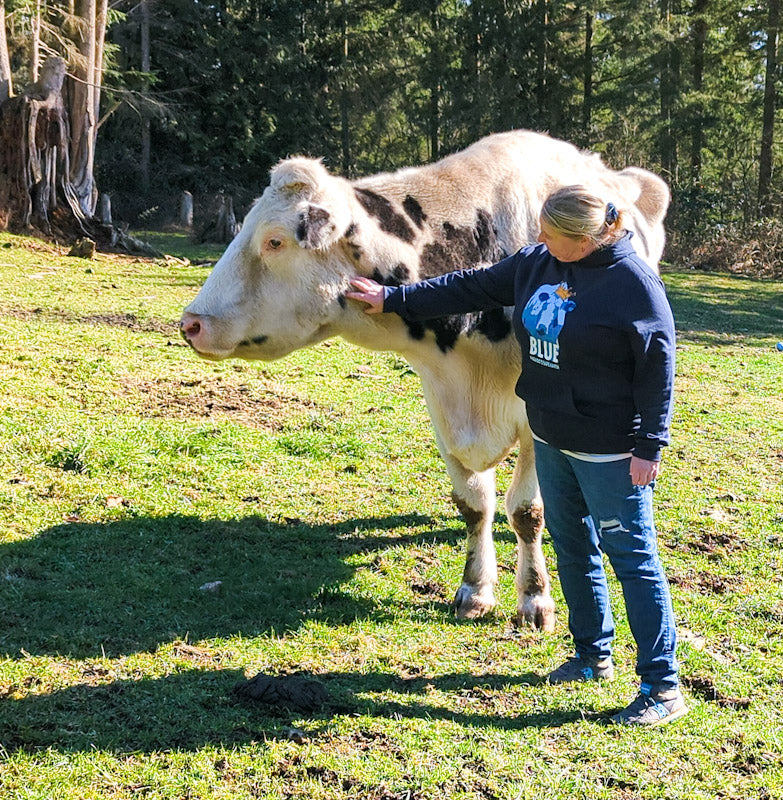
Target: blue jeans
(593,508)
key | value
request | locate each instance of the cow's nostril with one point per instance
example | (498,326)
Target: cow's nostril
(191,329)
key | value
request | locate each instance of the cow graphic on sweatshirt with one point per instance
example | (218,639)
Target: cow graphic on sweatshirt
(543,318)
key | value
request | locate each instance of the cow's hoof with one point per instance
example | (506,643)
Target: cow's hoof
(473,603)
(537,612)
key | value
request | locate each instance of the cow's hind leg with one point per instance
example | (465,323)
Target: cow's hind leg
(474,496)
(526,515)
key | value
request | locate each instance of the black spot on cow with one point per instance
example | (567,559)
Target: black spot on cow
(487,238)
(312,223)
(388,218)
(416,330)
(351,230)
(447,330)
(414,210)
(401,273)
(398,276)
(461,248)
(494,324)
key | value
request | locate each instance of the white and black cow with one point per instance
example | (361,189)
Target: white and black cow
(281,286)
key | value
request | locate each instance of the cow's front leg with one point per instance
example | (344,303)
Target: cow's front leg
(474,496)
(526,513)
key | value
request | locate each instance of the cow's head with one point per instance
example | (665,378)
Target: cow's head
(280,283)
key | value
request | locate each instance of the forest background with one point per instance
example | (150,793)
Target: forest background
(207,96)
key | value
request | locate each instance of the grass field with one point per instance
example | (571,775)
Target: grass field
(132,474)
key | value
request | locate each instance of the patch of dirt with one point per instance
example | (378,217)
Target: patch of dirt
(128,321)
(705,582)
(213,397)
(428,589)
(132,323)
(706,689)
(364,741)
(712,543)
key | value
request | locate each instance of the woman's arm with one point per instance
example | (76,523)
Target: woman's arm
(654,347)
(457,292)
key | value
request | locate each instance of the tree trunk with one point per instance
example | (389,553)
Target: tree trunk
(670,75)
(587,101)
(34,133)
(345,131)
(435,83)
(6,83)
(82,100)
(699,43)
(146,65)
(542,63)
(35,43)
(768,120)
(473,68)
(35,187)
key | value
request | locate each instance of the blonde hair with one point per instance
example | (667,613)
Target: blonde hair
(574,212)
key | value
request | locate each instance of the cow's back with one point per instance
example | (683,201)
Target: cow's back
(502,181)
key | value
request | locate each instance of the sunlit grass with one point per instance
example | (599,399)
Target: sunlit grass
(132,474)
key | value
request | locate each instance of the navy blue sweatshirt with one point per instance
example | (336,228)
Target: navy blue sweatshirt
(597,338)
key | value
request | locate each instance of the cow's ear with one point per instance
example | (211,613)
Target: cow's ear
(315,230)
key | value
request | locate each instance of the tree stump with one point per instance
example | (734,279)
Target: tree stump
(104,213)
(34,169)
(224,226)
(36,191)
(186,210)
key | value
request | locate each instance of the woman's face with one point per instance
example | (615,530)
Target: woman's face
(565,248)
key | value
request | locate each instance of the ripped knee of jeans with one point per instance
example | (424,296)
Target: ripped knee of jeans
(610,526)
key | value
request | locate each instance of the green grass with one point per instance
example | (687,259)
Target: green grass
(131,474)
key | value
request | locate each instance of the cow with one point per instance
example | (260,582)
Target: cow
(281,285)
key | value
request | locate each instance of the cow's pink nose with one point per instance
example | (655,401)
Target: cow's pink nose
(190,326)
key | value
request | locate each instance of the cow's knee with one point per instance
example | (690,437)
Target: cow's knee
(528,523)
(534,601)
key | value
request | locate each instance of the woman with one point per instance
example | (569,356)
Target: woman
(598,344)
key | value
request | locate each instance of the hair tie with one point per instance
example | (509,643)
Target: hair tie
(611,214)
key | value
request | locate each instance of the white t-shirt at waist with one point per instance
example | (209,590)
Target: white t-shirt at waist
(596,458)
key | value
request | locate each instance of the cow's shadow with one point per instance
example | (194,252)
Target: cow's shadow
(190,709)
(90,590)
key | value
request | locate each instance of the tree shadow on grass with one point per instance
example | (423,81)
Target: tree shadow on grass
(86,590)
(746,311)
(191,709)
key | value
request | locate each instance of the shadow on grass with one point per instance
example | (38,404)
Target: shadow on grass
(713,314)
(86,590)
(189,710)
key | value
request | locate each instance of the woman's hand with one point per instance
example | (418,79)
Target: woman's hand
(643,472)
(368,291)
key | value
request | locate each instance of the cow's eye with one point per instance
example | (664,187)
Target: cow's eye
(274,244)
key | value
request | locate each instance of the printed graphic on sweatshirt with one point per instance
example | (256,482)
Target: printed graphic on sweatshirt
(543,318)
